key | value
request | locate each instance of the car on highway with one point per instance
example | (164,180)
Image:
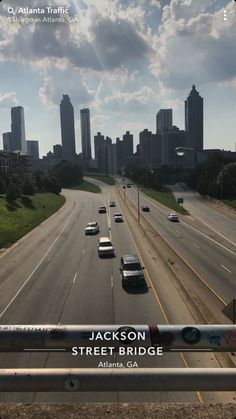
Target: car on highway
(112,204)
(92,228)
(105,247)
(132,272)
(102,210)
(145,208)
(173,217)
(128,185)
(118,218)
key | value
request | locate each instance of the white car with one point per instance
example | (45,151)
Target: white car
(173,217)
(92,228)
(118,218)
(105,247)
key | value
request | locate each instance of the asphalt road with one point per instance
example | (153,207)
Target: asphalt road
(210,254)
(55,276)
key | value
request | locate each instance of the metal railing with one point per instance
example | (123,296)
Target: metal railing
(120,376)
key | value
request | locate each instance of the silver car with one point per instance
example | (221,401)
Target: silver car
(92,228)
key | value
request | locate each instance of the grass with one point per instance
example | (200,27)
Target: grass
(87,186)
(166,198)
(230,203)
(25,214)
(106,179)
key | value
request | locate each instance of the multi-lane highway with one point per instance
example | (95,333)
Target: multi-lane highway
(209,252)
(54,276)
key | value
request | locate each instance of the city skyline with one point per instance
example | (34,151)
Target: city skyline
(134,66)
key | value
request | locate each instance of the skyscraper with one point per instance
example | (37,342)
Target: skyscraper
(128,144)
(194,118)
(18,129)
(7,141)
(85,134)
(67,128)
(164,120)
(33,148)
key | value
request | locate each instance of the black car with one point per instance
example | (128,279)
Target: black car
(145,208)
(102,210)
(132,271)
(112,204)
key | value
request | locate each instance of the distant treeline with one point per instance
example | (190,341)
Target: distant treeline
(19,183)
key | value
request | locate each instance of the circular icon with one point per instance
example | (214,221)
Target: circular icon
(191,335)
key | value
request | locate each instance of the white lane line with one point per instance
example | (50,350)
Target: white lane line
(112,282)
(226,269)
(75,276)
(209,238)
(83,252)
(196,245)
(35,269)
(220,234)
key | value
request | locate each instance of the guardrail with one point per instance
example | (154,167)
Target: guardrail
(20,338)
(118,379)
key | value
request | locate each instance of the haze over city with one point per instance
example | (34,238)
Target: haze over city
(124,61)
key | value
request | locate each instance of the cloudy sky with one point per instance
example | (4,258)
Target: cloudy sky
(124,59)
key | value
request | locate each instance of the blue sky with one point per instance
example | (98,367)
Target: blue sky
(124,59)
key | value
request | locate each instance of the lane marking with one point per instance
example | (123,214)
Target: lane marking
(37,266)
(83,252)
(75,276)
(209,238)
(112,282)
(220,234)
(226,269)
(196,245)
(192,269)
(199,396)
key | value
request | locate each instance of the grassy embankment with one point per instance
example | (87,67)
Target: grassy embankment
(106,179)
(166,198)
(25,214)
(230,202)
(86,186)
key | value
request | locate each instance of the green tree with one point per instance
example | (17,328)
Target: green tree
(12,192)
(28,186)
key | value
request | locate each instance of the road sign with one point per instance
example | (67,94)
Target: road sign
(230,311)
(180,200)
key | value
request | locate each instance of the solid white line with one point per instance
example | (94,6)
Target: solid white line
(83,252)
(30,276)
(208,225)
(196,245)
(209,238)
(226,269)
(112,283)
(75,276)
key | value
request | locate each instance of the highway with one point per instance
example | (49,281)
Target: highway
(54,276)
(210,254)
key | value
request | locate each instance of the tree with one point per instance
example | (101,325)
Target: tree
(28,186)
(67,173)
(12,192)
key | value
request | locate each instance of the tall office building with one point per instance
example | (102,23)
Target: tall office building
(33,148)
(164,120)
(128,144)
(7,141)
(85,134)
(98,140)
(194,118)
(18,129)
(57,151)
(67,128)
